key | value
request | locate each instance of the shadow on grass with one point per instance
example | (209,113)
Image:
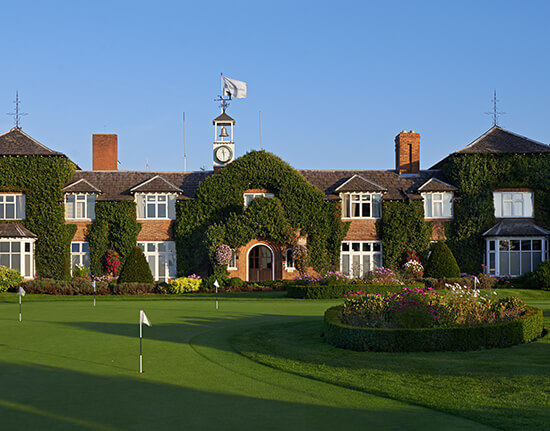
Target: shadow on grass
(49,398)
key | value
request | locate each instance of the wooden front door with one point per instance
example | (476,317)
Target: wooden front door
(260,264)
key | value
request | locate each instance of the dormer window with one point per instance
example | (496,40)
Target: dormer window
(156,206)
(12,206)
(249,197)
(361,205)
(80,206)
(438,205)
(513,204)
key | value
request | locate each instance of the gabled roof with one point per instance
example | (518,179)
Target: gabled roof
(436,185)
(156,184)
(18,143)
(223,120)
(81,186)
(499,141)
(116,185)
(15,230)
(359,184)
(516,227)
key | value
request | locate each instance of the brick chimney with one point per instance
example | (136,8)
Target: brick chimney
(407,152)
(105,152)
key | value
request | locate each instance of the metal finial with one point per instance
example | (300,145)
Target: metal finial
(495,112)
(17,115)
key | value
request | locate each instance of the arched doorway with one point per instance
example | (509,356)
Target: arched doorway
(260,263)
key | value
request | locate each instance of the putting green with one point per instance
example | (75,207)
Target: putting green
(71,366)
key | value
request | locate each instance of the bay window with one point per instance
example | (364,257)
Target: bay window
(18,254)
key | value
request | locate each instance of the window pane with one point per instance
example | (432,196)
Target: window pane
(366,264)
(526,244)
(2,212)
(85,247)
(377,260)
(497,199)
(365,207)
(162,246)
(366,246)
(151,261)
(75,260)
(91,206)
(161,198)
(525,262)
(345,205)
(356,265)
(5,260)
(528,205)
(377,206)
(537,259)
(377,246)
(162,210)
(27,266)
(507,209)
(503,260)
(427,205)
(438,209)
(27,247)
(356,246)
(16,247)
(514,263)
(503,244)
(20,204)
(10,211)
(491,245)
(491,263)
(345,246)
(537,244)
(151,247)
(80,210)
(514,245)
(345,264)
(4,247)
(355,209)
(151,213)
(75,247)
(16,261)
(162,267)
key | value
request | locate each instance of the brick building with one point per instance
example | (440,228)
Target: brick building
(513,245)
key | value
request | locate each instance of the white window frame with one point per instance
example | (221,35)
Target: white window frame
(26,255)
(249,197)
(232,265)
(373,199)
(519,203)
(157,200)
(82,256)
(153,255)
(290,265)
(432,199)
(87,202)
(17,200)
(493,254)
(357,251)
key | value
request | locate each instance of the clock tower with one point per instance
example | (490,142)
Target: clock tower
(224,147)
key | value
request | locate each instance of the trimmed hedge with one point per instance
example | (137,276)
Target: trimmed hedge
(442,263)
(136,269)
(521,330)
(83,286)
(337,291)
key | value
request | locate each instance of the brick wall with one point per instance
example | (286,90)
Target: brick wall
(80,234)
(156,230)
(407,152)
(361,230)
(105,152)
(438,229)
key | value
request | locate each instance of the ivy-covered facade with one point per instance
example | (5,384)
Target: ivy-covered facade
(257,218)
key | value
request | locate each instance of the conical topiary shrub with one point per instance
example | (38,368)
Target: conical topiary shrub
(135,268)
(442,263)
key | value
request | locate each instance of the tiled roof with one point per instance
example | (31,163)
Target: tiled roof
(223,120)
(81,186)
(516,227)
(436,185)
(15,230)
(499,141)
(399,187)
(117,185)
(359,184)
(156,184)
(18,143)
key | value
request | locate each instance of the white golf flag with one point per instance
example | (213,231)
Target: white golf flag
(21,291)
(234,88)
(143,318)
(216,283)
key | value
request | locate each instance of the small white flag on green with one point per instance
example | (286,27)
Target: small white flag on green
(216,283)
(21,291)
(143,318)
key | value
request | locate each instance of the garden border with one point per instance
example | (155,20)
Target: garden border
(327,291)
(521,330)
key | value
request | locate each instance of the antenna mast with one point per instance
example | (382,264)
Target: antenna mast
(184,147)
(17,115)
(495,112)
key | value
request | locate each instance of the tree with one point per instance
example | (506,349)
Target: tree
(442,263)
(135,268)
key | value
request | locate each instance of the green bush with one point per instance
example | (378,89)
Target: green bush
(134,289)
(442,263)
(135,268)
(540,278)
(208,283)
(331,292)
(77,286)
(184,285)
(9,278)
(235,282)
(521,330)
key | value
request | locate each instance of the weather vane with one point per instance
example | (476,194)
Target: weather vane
(495,112)
(17,115)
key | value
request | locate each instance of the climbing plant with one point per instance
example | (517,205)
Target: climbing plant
(42,179)
(217,214)
(476,176)
(115,228)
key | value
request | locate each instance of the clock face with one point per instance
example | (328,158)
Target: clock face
(223,154)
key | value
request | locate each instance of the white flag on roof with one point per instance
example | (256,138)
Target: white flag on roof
(21,291)
(143,318)
(234,88)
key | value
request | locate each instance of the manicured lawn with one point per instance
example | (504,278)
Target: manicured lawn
(71,366)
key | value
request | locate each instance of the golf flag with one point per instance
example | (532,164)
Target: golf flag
(234,88)
(21,291)
(216,284)
(143,318)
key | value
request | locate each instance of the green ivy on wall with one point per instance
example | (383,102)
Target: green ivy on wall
(402,226)
(217,214)
(42,179)
(115,228)
(476,176)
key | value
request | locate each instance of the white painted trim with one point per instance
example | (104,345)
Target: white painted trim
(381,189)
(272,261)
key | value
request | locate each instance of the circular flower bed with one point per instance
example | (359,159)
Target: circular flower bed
(420,319)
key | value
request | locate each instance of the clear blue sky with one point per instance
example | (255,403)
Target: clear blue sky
(335,81)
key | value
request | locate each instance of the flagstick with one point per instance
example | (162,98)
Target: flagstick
(94,292)
(216,297)
(140,348)
(20,308)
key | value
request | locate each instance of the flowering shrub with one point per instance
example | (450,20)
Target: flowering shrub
(412,264)
(112,262)
(300,256)
(335,277)
(106,278)
(223,254)
(184,285)
(424,308)
(382,276)
(80,271)
(9,278)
